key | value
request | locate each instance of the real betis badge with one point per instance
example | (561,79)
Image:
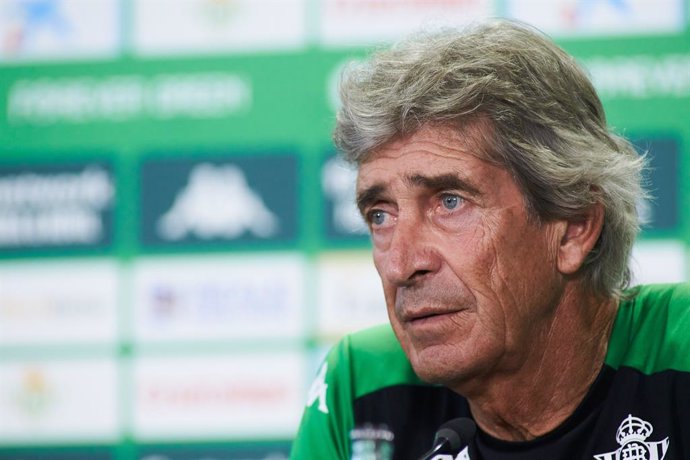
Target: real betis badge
(632,436)
(371,442)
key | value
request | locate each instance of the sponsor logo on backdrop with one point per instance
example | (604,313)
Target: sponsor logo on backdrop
(207,302)
(605,17)
(341,214)
(220,298)
(207,199)
(58,302)
(49,400)
(245,394)
(33,396)
(47,206)
(203,26)
(358,22)
(195,210)
(640,77)
(215,394)
(118,98)
(67,29)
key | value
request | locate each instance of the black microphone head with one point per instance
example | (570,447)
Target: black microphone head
(457,432)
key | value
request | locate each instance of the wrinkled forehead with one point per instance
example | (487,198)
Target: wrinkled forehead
(432,154)
(473,136)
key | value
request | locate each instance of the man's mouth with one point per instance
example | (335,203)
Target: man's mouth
(424,314)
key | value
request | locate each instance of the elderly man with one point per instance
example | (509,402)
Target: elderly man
(502,213)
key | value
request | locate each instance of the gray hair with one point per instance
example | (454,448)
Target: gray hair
(548,126)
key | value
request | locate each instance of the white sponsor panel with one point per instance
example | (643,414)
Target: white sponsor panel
(193,397)
(350,296)
(600,17)
(53,401)
(59,303)
(65,29)
(219,298)
(362,22)
(663,261)
(165,27)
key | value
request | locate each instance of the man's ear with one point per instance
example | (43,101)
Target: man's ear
(579,237)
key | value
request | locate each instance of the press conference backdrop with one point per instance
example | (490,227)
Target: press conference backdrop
(178,241)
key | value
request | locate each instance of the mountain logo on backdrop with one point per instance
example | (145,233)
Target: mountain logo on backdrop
(341,216)
(56,206)
(217,203)
(215,200)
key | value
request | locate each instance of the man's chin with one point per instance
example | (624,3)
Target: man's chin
(433,368)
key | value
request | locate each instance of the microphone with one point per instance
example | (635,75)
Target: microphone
(451,437)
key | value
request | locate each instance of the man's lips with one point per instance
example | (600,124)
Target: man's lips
(419,314)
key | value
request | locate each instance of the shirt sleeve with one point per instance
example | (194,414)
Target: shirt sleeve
(328,417)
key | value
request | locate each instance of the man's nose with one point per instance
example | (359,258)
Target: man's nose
(410,256)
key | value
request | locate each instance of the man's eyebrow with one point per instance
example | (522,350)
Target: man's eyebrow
(442,182)
(373,193)
(369,195)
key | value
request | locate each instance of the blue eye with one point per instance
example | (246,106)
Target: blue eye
(377,217)
(450,201)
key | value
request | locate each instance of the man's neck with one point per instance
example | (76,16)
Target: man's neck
(565,359)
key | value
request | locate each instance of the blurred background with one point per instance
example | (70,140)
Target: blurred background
(178,241)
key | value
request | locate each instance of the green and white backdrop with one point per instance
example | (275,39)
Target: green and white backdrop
(178,244)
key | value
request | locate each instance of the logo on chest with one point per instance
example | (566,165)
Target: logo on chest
(632,436)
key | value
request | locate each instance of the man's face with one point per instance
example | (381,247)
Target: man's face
(470,280)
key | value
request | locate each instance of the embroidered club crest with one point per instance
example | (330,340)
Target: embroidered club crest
(632,435)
